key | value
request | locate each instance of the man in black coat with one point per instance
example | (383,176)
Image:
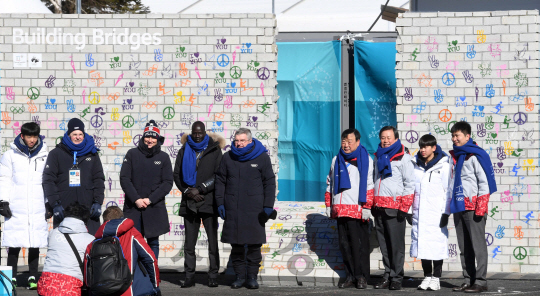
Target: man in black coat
(245,194)
(146,178)
(194,174)
(74,173)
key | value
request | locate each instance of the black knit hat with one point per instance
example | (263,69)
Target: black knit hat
(75,124)
(151,130)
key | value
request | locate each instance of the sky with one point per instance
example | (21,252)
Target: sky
(306,15)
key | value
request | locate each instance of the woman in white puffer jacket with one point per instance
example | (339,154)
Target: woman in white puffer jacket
(429,235)
(23,202)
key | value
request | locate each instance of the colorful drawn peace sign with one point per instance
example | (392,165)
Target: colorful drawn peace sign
(33,93)
(136,139)
(237,72)
(128,121)
(520,118)
(168,113)
(521,253)
(489,239)
(411,136)
(263,73)
(94,98)
(96,121)
(223,60)
(448,78)
(445,115)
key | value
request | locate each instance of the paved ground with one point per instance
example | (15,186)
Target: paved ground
(170,286)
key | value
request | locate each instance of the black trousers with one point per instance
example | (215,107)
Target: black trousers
(192,224)
(354,246)
(391,237)
(240,254)
(435,270)
(33,260)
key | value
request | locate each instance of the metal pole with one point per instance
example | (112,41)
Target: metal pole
(345,85)
(78,6)
(273,7)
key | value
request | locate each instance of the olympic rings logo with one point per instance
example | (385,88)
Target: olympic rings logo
(262,135)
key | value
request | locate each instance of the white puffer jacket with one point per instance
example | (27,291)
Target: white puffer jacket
(428,240)
(20,185)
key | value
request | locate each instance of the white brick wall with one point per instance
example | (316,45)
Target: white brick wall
(194,34)
(513,39)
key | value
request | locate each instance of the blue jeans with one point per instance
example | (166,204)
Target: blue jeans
(153,242)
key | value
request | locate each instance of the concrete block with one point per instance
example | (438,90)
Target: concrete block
(438,22)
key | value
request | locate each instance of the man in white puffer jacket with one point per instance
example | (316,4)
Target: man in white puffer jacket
(429,234)
(23,202)
(348,198)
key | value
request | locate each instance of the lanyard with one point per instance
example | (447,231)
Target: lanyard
(75,160)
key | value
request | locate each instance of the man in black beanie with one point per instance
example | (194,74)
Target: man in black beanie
(74,173)
(146,178)
(75,124)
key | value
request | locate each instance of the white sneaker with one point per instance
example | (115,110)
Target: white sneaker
(434,284)
(425,283)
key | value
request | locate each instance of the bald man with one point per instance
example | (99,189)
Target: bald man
(194,172)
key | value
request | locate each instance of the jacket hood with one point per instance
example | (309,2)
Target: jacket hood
(72,225)
(217,138)
(443,159)
(115,227)
(41,153)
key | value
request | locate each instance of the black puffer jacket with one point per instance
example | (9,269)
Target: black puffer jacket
(207,166)
(56,181)
(147,177)
(245,188)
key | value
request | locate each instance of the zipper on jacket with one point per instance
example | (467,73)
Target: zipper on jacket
(430,175)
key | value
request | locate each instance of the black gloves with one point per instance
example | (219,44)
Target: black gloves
(59,212)
(95,211)
(48,211)
(198,198)
(191,192)
(402,215)
(5,210)
(267,214)
(444,221)
(409,219)
(195,194)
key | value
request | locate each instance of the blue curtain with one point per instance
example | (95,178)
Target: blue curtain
(309,99)
(374,89)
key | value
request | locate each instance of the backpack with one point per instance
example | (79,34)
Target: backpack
(107,271)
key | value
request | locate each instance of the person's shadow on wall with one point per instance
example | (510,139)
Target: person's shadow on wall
(322,237)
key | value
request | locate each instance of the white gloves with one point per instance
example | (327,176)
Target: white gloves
(328,212)
(366,214)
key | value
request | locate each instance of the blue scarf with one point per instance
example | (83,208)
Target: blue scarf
(25,149)
(342,179)
(249,152)
(85,147)
(439,154)
(457,204)
(189,162)
(383,158)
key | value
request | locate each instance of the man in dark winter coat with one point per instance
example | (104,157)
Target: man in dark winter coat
(73,173)
(194,174)
(245,192)
(146,178)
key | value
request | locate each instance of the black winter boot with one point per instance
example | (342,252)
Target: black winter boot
(252,282)
(239,283)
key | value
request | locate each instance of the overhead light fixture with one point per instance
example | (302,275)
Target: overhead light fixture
(390,13)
